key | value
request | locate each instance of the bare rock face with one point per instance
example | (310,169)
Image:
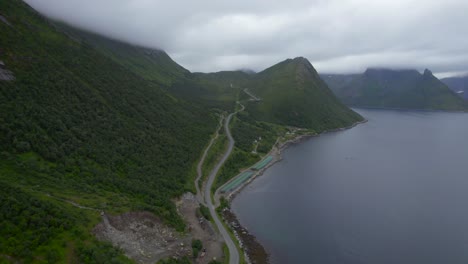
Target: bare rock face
(4,20)
(142,237)
(5,75)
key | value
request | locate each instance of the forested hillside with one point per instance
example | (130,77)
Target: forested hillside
(90,124)
(293,94)
(213,90)
(152,64)
(75,125)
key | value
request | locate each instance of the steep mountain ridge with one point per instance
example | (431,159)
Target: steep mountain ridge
(387,88)
(293,94)
(210,89)
(151,64)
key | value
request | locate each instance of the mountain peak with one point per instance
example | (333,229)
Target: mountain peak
(427,72)
(396,88)
(302,61)
(298,65)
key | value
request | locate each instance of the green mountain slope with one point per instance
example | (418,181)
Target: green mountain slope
(151,64)
(384,88)
(157,67)
(115,127)
(75,125)
(293,94)
(221,89)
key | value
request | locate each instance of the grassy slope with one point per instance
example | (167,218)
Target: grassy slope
(395,89)
(293,94)
(111,139)
(221,87)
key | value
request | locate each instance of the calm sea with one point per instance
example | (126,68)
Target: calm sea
(393,190)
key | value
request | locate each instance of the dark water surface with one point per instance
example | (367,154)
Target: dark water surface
(393,190)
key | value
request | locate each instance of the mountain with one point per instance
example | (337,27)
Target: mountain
(217,90)
(151,64)
(76,125)
(458,84)
(293,94)
(156,66)
(111,126)
(386,88)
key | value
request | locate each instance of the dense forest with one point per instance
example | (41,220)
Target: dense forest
(91,124)
(293,94)
(77,125)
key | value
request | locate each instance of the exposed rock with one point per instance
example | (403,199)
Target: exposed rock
(4,20)
(5,75)
(200,228)
(427,72)
(256,253)
(142,236)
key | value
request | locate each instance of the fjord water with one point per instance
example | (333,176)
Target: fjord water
(393,190)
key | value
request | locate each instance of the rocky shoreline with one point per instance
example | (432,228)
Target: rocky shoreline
(254,252)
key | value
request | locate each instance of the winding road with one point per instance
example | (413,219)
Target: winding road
(202,160)
(233,252)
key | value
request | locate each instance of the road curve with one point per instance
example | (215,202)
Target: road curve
(202,160)
(233,252)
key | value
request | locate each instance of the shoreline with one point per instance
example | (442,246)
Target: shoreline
(276,153)
(251,246)
(408,109)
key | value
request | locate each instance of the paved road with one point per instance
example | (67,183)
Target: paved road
(202,160)
(251,95)
(233,252)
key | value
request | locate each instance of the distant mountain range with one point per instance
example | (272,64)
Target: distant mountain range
(386,88)
(458,84)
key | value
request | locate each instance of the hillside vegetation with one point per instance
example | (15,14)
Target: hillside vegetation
(293,94)
(79,126)
(212,90)
(91,124)
(151,64)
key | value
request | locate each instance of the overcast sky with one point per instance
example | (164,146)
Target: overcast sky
(337,36)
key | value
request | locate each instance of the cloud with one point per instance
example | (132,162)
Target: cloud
(335,35)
